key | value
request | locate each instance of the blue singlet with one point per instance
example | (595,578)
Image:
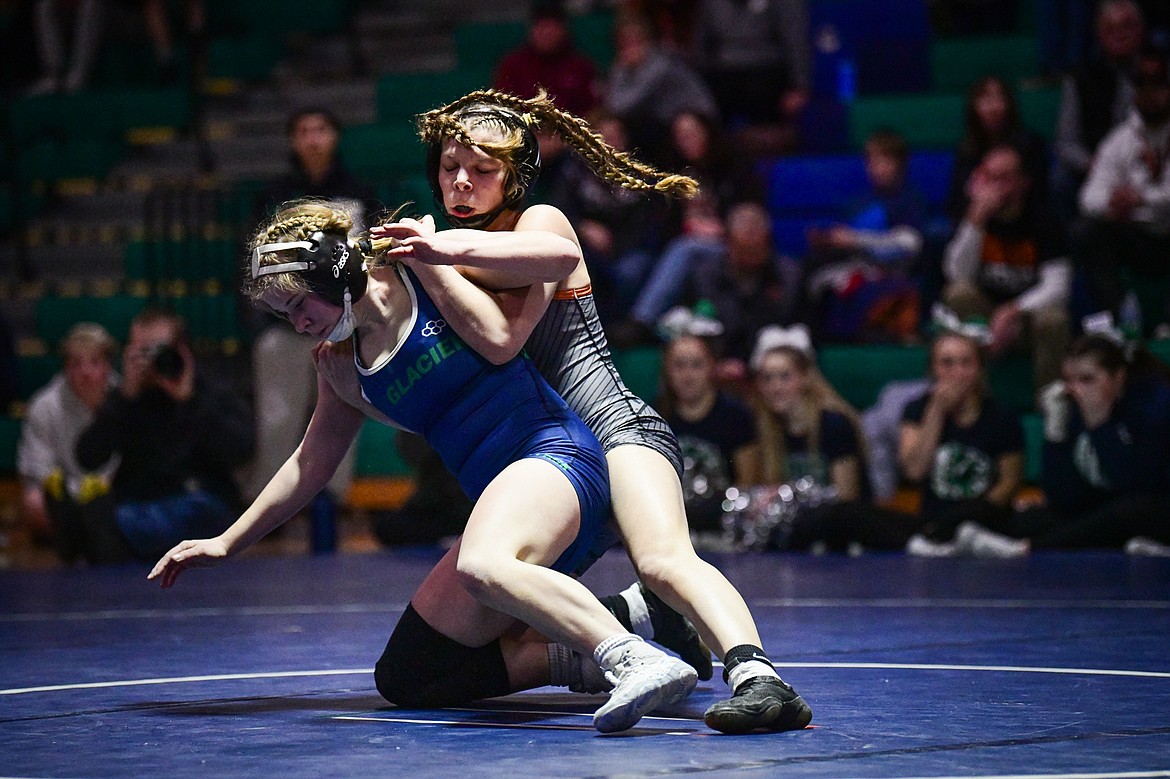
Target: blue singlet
(481,417)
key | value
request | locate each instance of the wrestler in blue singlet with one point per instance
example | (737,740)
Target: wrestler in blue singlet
(481,417)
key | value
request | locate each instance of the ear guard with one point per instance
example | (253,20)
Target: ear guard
(526,163)
(329,264)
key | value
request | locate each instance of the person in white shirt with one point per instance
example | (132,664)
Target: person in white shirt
(54,487)
(1126,199)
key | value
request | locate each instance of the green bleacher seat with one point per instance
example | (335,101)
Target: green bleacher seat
(381,151)
(1011,381)
(414,189)
(401,96)
(377,452)
(483,44)
(1039,108)
(1161,349)
(1033,446)
(55,315)
(957,63)
(927,121)
(640,368)
(35,372)
(97,113)
(247,58)
(195,259)
(593,35)
(858,373)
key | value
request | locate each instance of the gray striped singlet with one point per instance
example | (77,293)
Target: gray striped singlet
(569,347)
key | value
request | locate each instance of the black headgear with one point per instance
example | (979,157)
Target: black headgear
(526,163)
(328,262)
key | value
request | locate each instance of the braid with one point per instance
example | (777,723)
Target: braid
(293,221)
(609,164)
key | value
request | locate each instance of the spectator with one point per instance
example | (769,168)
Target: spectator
(1008,263)
(991,117)
(756,60)
(549,59)
(1094,98)
(963,448)
(649,86)
(55,488)
(860,272)
(283,408)
(162,39)
(1126,200)
(695,228)
(726,176)
(1106,466)
(715,430)
(179,436)
(807,431)
(882,424)
(62,71)
(620,230)
(746,284)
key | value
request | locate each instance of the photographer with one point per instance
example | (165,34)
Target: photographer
(179,437)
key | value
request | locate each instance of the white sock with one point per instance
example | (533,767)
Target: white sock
(749,669)
(609,651)
(639,612)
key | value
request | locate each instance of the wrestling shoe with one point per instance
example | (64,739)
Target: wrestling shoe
(644,678)
(675,632)
(921,546)
(760,703)
(1143,546)
(975,540)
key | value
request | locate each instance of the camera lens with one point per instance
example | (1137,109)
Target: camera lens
(167,361)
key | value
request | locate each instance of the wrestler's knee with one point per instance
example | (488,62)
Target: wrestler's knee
(405,671)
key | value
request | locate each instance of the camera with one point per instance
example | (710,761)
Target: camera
(166,360)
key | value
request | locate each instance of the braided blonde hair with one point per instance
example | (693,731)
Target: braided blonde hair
(609,164)
(293,221)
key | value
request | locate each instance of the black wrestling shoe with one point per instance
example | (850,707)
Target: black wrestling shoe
(675,632)
(760,703)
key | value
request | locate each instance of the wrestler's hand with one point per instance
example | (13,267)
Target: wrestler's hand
(334,363)
(404,228)
(187,554)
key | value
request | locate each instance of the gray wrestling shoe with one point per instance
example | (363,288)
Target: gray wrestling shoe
(644,678)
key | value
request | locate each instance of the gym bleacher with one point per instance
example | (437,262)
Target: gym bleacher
(130,192)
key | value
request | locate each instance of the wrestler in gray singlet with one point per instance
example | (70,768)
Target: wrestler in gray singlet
(568,346)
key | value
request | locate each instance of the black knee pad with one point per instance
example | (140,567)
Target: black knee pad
(422,669)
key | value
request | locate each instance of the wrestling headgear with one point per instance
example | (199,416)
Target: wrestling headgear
(525,163)
(330,265)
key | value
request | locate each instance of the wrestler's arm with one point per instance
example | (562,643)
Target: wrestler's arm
(487,307)
(542,247)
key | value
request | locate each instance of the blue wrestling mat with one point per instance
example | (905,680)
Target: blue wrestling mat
(1057,666)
